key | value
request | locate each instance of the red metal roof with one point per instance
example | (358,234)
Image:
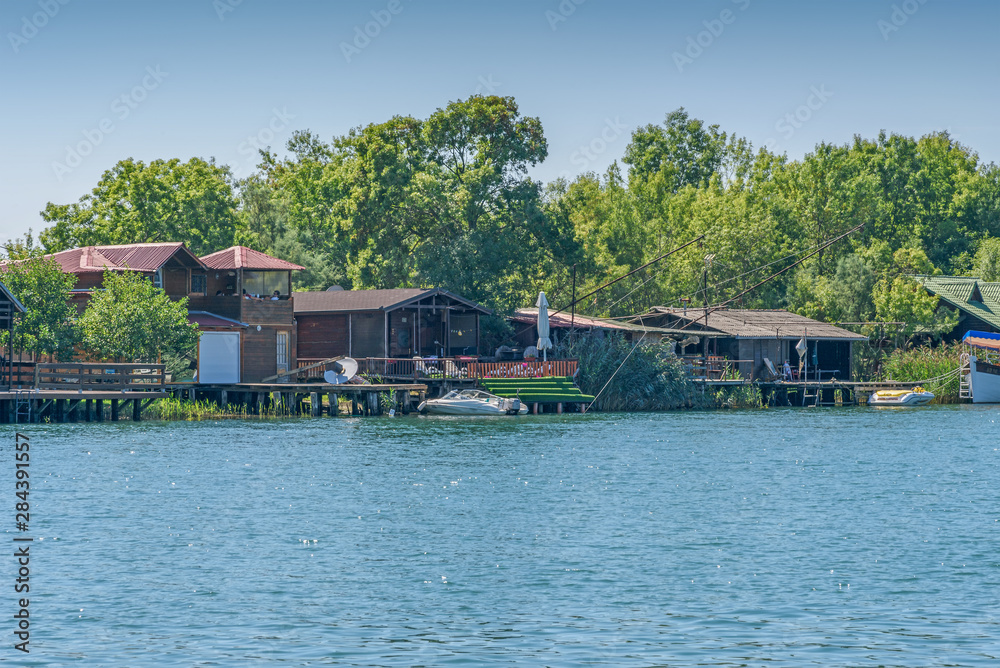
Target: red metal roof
(130,257)
(563,320)
(241,257)
(206,319)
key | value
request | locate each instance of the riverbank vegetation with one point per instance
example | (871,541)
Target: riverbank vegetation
(447,200)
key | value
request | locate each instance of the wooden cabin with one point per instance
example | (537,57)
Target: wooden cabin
(10,307)
(404,322)
(977,301)
(251,291)
(244,338)
(747,337)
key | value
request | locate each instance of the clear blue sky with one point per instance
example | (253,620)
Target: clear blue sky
(200,80)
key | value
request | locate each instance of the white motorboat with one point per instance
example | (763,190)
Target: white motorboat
(918,396)
(472,402)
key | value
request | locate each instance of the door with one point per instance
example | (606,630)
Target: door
(219,357)
(281,355)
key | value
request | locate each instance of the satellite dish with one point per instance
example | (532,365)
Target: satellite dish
(335,288)
(343,370)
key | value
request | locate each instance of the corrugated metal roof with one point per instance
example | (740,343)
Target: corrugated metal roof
(748,324)
(958,291)
(241,257)
(370,300)
(563,320)
(206,319)
(130,257)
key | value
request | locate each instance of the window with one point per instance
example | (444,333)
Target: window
(199,284)
(158,278)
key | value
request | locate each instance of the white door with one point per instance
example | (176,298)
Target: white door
(219,357)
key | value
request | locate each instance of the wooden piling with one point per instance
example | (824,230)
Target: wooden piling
(99,408)
(114,410)
(136,410)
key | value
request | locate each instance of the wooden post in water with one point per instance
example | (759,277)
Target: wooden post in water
(60,410)
(331,398)
(114,410)
(136,410)
(315,404)
(89,410)
(223,399)
(99,407)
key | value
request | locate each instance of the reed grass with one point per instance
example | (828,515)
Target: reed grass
(919,364)
(182,409)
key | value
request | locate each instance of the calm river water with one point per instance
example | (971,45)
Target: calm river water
(790,537)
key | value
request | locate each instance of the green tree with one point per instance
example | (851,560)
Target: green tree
(47,327)
(986,264)
(166,200)
(132,321)
(902,299)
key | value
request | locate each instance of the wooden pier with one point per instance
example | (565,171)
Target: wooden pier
(813,393)
(292,398)
(31,405)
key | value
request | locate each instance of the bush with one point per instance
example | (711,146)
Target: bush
(644,378)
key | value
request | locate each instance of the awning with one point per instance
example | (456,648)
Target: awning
(985,340)
(206,320)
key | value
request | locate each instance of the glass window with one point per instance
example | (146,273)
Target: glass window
(158,279)
(199,284)
(276,280)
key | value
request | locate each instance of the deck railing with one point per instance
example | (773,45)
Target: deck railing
(98,377)
(389,368)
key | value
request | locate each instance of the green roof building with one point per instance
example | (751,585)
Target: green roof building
(977,301)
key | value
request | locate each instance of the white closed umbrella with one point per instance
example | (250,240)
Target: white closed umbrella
(544,342)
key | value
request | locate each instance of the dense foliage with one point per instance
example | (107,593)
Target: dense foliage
(48,325)
(132,321)
(447,201)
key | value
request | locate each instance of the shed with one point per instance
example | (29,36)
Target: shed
(751,335)
(401,322)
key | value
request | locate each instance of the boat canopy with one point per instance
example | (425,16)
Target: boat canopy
(985,340)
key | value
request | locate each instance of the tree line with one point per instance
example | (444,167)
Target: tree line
(447,201)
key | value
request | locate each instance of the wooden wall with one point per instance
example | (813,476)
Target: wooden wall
(175,282)
(322,335)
